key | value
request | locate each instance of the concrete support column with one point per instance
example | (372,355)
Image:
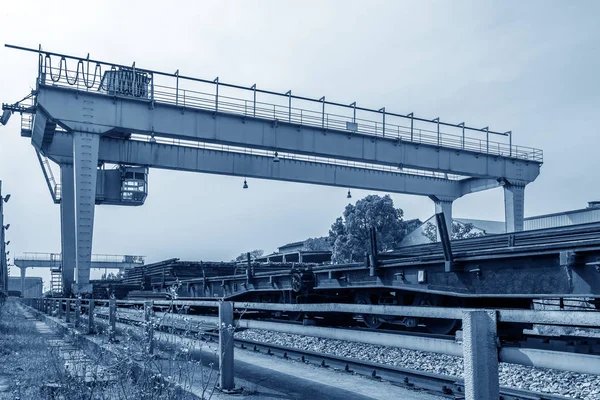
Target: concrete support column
(443,204)
(226,346)
(23,272)
(112,319)
(148,312)
(67,227)
(90,322)
(85,163)
(480,355)
(68,311)
(77,312)
(514,207)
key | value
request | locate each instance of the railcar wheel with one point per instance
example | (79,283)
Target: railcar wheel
(438,326)
(371,321)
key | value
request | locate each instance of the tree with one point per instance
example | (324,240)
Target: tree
(317,244)
(254,254)
(349,234)
(459,231)
(111,276)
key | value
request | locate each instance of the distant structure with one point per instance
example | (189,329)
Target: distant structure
(33,287)
(293,252)
(574,217)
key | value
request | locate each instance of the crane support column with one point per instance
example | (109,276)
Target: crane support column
(514,207)
(85,163)
(23,272)
(444,204)
(67,227)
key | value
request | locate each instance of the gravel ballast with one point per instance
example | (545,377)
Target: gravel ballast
(570,384)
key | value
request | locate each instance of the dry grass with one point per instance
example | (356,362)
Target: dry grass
(29,365)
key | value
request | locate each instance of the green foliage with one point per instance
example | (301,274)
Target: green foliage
(317,244)
(254,254)
(459,231)
(349,234)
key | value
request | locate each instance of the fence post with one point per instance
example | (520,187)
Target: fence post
(60,309)
(149,327)
(112,319)
(90,327)
(480,355)
(226,346)
(77,311)
(68,311)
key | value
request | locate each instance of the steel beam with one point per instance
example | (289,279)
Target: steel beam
(434,345)
(67,226)
(133,115)
(85,163)
(195,159)
(572,362)
(514,207)
(444,205)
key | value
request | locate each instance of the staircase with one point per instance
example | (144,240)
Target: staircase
(56,286)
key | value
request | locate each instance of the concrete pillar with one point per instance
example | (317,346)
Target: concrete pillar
(226,346)
(444,205)
(77,311)
(514,207)
(68,311)
(23,272)
(149,327)
(90,325)
(67,227)
(85,164)
(480,355)
(112,319)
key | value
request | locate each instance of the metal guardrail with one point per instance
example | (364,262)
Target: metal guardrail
(217,96)
(479,346)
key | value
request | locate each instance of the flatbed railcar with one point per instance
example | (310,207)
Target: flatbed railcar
(499,271)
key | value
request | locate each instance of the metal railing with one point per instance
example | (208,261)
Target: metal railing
(173,88)
(53,185)
(57,257)
(478,345)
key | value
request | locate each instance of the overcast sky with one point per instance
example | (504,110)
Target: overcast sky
(530,67)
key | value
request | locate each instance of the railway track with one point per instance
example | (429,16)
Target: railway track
(563,343)
(438,384)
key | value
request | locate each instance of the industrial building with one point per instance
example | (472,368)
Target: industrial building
(581,216)
(33,286)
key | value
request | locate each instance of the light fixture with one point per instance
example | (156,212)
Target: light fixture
(6,226)
(276,158)
(152,138)
(8,253)
(7,243)
(6,198)
(349,196)
(245,184)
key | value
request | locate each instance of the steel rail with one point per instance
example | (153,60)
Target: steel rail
(442,385)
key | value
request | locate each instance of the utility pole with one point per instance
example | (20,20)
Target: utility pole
(3,263)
